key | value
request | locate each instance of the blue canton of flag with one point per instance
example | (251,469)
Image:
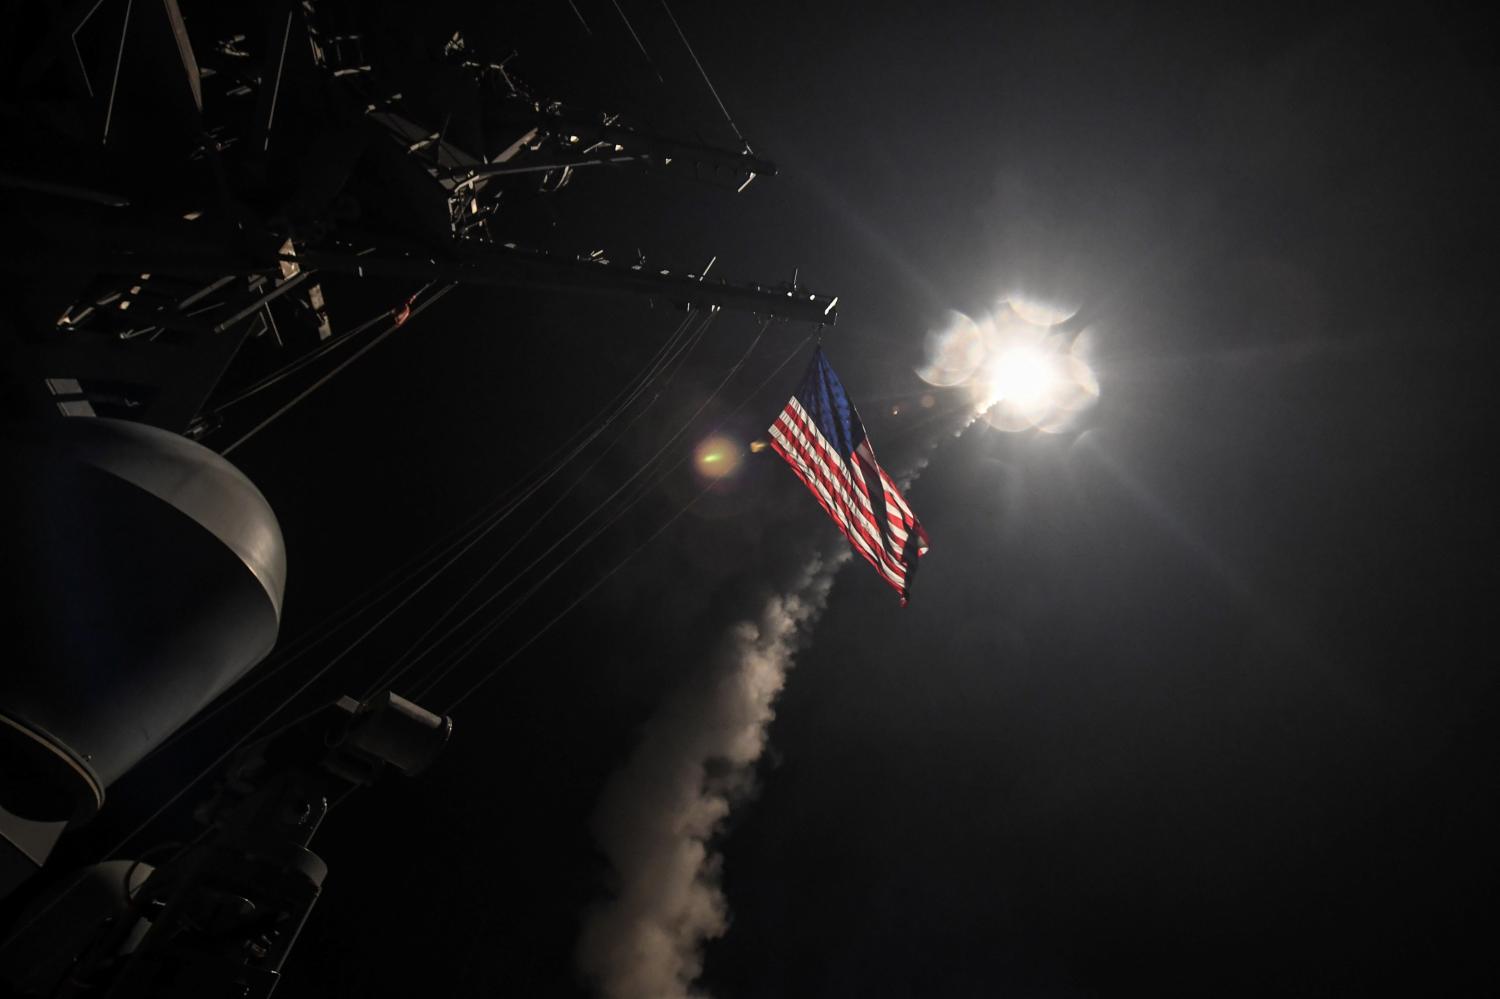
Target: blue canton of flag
(820,435)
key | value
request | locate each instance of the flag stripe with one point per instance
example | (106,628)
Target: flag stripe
(825,458)
(853,475)
(857,540)
(820,436)
(834,499)
(804,422)
(818,452)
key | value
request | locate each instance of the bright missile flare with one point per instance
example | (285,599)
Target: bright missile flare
(1024,375)
(1020,371)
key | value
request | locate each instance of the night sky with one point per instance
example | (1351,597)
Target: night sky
(1190,699)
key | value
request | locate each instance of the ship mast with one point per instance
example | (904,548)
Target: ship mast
(232,180)
(177,201)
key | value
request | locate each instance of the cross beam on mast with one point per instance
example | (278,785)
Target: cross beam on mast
(512,267)
(584,133)
(191,255)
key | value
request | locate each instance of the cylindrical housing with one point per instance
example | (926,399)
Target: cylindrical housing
(390,729)
(143,574)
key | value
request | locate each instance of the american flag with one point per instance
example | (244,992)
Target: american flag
(820,435)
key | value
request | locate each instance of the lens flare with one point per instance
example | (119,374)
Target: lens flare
(954,352)
(716,458)
(1023,375)
(1021,372)
(1037,312)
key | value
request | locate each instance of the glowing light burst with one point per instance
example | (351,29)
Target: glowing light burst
(1023,375)
(1018,371)
(1037,312)
(954,352)
(717,458)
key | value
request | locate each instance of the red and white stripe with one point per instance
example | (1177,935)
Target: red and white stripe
(841,487)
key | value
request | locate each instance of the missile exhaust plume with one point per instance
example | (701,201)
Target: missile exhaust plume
(660,814)
(659,817)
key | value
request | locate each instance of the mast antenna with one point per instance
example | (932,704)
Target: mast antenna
(704,73)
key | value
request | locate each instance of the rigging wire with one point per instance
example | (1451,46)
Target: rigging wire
(603,505)
(641,381)
(294,366)
(704,73)
(581,21)
(574,604)
(398,667)
(473,644)
(466,540)
(683,355)
(415,591)
(317,635)
(631,28)
(393,327)
(249,737)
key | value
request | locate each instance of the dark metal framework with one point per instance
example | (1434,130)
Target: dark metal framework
(181,197)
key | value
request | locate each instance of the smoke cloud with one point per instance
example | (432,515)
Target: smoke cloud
(660,814)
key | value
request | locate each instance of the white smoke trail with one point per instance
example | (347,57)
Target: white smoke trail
(659,815)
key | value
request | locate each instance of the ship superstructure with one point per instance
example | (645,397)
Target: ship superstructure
(183,197)
(201,204)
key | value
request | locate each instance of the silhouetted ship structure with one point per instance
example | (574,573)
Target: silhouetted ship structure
(183,204)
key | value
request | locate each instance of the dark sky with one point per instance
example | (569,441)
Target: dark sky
(1190,700)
